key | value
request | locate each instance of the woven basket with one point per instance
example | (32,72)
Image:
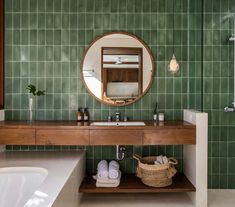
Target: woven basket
(155,175)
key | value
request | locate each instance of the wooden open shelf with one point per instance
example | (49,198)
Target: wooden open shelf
(132,184)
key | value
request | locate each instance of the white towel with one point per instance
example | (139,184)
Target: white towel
(102,170)
(165,160)
(113,170)
(161,160)
(108,183)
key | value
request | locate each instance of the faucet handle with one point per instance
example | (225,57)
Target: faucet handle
(109,118)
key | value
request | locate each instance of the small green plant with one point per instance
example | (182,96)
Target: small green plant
(32,89)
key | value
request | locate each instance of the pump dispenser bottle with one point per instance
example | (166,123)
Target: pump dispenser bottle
(79,115)
(155,113)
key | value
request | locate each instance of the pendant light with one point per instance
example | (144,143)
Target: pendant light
(173,66)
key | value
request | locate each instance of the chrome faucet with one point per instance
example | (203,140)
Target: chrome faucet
(230,108)
(117,116)
(109,118)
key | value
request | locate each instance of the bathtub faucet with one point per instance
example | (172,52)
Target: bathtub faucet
(230,108)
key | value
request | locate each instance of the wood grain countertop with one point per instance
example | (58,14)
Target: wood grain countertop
(150,125)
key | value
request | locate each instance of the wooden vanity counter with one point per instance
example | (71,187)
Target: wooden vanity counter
(82,133)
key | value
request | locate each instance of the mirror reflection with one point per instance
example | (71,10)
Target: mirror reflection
(117,69)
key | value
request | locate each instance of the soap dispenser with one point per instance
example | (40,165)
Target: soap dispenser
(86,115)
(79,115)
(155,113)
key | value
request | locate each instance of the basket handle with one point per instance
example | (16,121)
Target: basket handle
(173,161)
(137,157)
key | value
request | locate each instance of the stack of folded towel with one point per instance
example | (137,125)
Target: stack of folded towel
(161,160)
(108,175)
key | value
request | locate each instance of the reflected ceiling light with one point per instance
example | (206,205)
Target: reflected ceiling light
(119,61)
(173,66)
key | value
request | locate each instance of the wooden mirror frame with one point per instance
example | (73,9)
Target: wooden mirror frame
(1,54)
(144,46)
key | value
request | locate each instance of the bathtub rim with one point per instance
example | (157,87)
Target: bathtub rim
(22,169)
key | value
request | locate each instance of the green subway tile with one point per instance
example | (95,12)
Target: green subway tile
(90,21)
(57,85)
(57,5)
(49,101)
(57,37)
(33,37)
(114,6)
(8,53)
(65,21)
(73,21)
(16,6)
(89,6)
(130,5)
(154,5)
(8,21)
(57,20)
(33,5)
(24,37)
(41,6)
(9,6)
(41,37)
(231,168)
(137,6)
(57,101)
(106,6)
(16,20)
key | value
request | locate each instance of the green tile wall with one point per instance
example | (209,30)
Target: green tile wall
(44,44)
(45,41)
(218,80)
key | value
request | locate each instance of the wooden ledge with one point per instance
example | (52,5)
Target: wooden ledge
(132,184)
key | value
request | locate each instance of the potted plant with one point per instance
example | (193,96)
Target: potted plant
(32,100)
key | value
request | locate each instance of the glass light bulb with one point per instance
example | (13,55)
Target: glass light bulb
(173,65)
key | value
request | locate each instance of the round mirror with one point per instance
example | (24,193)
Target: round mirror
(117,68)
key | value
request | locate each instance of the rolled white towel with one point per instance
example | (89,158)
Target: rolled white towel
(109,183)
(165,160)
(113,170)
(102,170)
(161,160)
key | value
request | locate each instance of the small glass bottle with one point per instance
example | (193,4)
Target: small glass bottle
(161,116)
(79,115)
(155,113)
(86,115)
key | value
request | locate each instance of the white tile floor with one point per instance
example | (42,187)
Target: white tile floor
(216,198)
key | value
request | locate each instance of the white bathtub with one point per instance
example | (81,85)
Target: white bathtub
(17,184)
(41,179)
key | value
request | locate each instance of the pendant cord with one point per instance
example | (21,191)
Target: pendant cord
(173,26)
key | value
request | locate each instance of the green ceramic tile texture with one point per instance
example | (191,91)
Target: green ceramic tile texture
(218,90)
(44,45)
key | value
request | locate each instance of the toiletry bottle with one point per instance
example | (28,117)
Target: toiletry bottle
(161,116)
(86,115)
(155,113)
(79,114)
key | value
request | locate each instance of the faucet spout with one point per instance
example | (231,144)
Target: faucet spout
(230,108)
(117,116)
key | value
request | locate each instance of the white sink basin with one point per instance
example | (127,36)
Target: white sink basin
(120,123)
